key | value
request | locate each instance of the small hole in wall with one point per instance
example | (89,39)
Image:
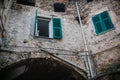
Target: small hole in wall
(26,2)
(82,18)
(77,18)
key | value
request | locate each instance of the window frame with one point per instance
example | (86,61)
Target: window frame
(104,31)
(51,27)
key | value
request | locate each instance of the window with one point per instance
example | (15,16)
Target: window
(89,0)
(59,7)
(102,22)
(1,3)
(47,27)
(43,26)
(26,2)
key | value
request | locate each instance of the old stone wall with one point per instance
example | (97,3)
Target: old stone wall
(98,43)
(4,11)
(4,16)
(19,35)
(107,61)
(105,47)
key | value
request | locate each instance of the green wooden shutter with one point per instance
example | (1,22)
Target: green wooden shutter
(57,29)
(106,21)
(36,22)
(97,24)
(102,22)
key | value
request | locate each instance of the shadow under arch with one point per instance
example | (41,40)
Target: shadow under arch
(39,69)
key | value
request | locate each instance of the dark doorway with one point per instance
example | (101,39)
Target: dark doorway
(109,76)
(39,69)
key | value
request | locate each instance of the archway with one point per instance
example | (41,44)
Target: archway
(39,69)
(109,76)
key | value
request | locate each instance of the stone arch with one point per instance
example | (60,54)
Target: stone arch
(40,69)
(113,75)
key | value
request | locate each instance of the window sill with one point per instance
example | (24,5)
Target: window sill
(43,37)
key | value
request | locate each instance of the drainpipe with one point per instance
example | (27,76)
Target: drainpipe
(85,43)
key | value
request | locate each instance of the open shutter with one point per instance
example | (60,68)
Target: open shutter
(57,29)
(36,24)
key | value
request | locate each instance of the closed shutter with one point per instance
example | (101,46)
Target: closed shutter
(97,24)
(102,22)
(57,29)
(106,21)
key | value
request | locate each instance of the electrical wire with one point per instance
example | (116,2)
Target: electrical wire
(41,50)
(45,48)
